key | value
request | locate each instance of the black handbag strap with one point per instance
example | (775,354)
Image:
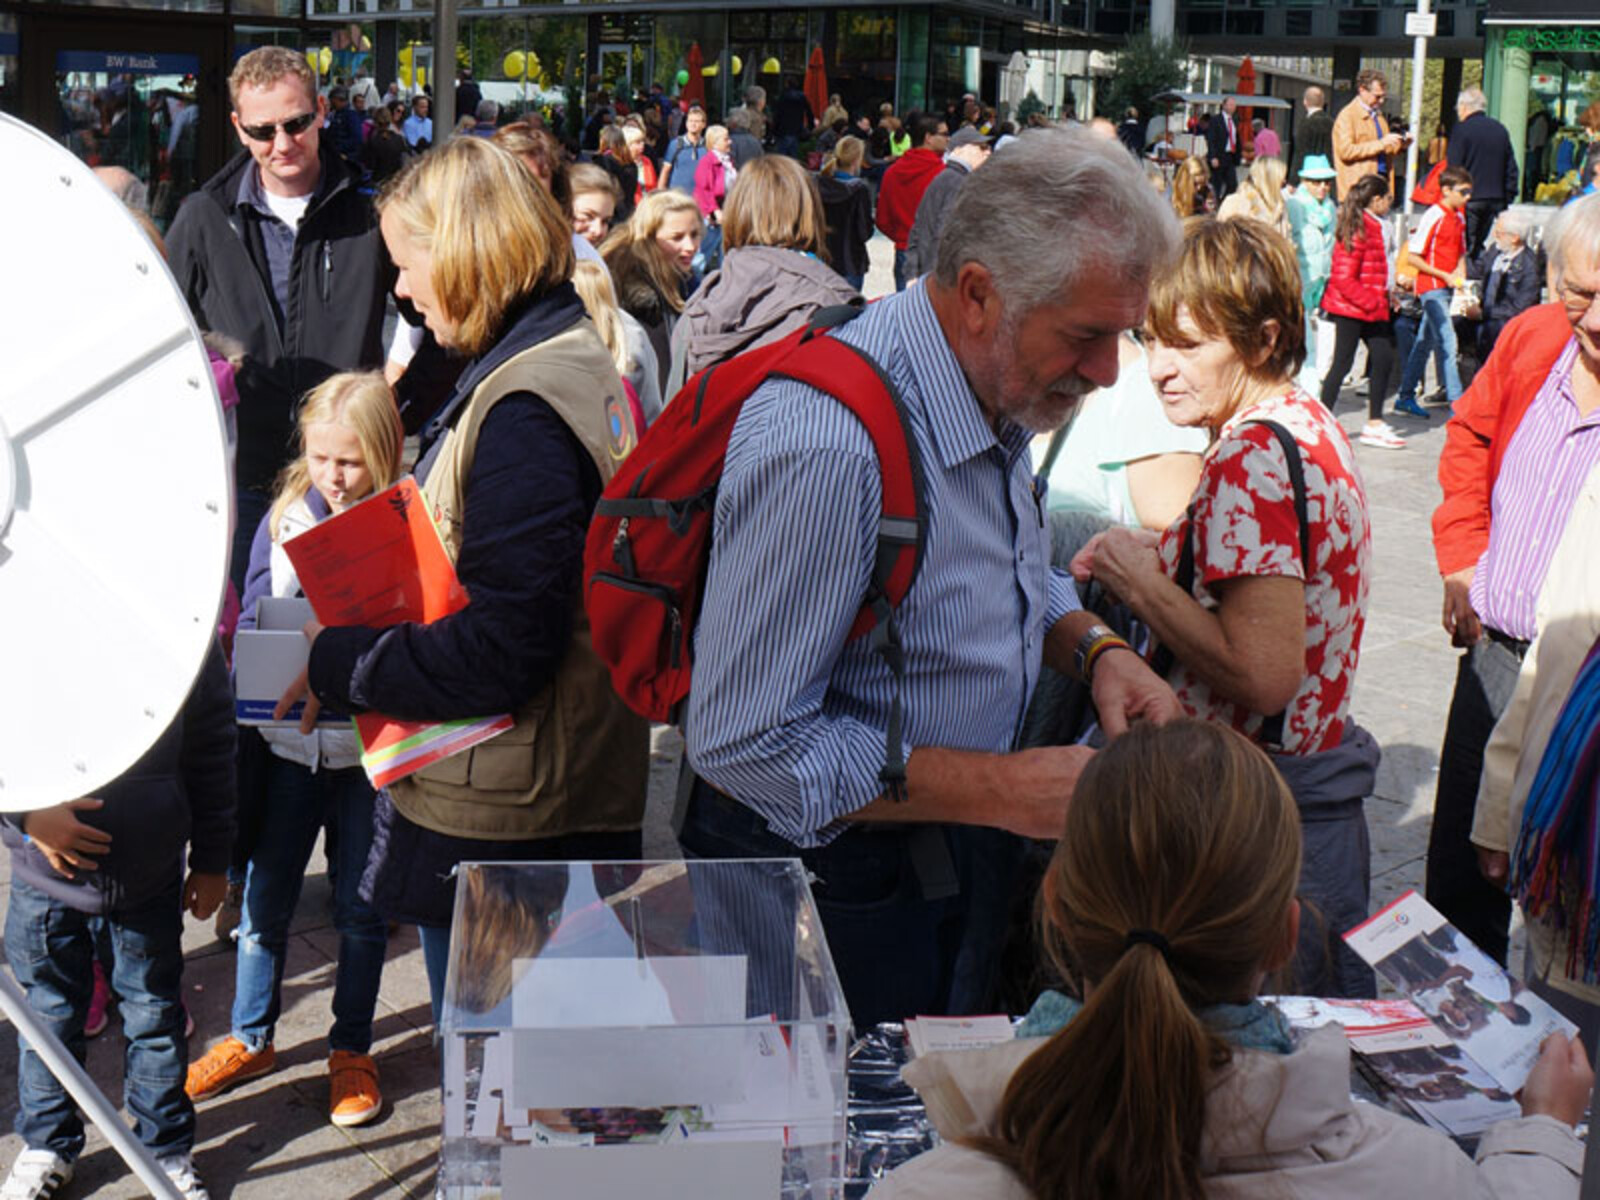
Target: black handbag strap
(1272,727)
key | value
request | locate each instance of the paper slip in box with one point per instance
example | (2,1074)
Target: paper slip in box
(268,658)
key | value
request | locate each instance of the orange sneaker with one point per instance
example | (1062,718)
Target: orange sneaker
(225,1064)
(353,1095)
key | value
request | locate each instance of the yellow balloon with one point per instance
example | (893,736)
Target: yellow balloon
(737,64)
(771,67)
(325,58)
(709,71)
(515,64)
(311,57)
(532,64)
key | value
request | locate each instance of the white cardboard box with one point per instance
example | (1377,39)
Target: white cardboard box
(267,659)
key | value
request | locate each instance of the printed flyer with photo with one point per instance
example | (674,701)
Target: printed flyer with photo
(1494,1017)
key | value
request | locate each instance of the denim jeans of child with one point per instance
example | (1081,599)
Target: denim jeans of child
(299,802)
(1437,333)
(51,950)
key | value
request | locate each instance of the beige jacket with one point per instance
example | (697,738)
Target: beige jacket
(576,760)
(1316,1141)
(1357,147)
(1568,622)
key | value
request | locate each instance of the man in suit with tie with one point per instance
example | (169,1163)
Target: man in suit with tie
(1222,149)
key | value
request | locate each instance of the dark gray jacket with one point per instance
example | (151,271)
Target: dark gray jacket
(760,295)
(1482,145)
(181,793)
(922,247)
(339,276)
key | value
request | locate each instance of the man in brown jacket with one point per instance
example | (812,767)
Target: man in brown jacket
(1362,143)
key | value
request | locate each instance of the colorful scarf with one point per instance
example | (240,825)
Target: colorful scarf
(1555,867)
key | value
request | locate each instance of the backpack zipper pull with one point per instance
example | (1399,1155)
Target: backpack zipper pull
(622,549)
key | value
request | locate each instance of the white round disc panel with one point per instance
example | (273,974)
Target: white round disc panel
(115,495)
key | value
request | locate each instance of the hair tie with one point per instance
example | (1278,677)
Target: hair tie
(1149,937)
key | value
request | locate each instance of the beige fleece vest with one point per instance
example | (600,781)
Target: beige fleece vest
(577,759)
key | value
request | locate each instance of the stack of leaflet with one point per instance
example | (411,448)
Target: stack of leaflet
(1476,1033)
(1409,1059)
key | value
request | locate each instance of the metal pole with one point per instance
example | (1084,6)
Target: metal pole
(444,70)
(82,1089)
(1419,62)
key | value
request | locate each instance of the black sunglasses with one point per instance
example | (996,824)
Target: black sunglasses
(294,127)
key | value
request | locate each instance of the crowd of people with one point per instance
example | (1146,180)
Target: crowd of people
(1119,680)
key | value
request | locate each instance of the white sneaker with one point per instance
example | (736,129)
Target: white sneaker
(180,1169)
(36,1175)
(1381,435)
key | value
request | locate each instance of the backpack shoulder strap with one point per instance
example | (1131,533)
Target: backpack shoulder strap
(852,377)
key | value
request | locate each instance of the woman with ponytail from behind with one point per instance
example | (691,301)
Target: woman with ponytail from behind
(1171,900)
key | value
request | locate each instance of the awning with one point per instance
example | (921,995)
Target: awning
(1216,98)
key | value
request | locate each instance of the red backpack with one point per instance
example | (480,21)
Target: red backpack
(644,566)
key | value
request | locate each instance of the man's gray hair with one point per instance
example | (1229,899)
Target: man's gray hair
(738,120)
(125,186)
(754,94)
(488,110)
(1515,224)
(1056,208)
(1471,100)
(1571,237)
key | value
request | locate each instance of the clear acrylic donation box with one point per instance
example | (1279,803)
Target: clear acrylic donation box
(617,1030)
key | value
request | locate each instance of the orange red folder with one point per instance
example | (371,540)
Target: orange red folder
(379,563)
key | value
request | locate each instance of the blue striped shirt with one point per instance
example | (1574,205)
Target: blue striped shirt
(788,716)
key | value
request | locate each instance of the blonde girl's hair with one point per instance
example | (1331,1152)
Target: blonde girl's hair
(716,133)
(1265,183)
(632,253)
(360,401)
(1192,175)
(775,202)
(1185,832)
(586,177)
(847,154)
(493,239)
(593,283)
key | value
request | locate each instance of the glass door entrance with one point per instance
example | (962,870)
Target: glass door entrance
(140,97)
(136,110)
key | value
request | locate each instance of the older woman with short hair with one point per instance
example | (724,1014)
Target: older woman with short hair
(1257,595)
(512,466)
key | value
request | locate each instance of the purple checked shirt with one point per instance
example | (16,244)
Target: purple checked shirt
(1550,456)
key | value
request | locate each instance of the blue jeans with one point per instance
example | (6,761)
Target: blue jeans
(915,916)
(709,257)
(856,281)
(51,948)
(1439,334)
(900,280)
(299,801)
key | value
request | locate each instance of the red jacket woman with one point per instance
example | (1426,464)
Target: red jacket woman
(1359,284)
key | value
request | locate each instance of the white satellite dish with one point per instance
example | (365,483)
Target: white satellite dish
(115,496)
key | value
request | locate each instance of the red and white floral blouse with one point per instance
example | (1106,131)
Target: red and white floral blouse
(1245,526)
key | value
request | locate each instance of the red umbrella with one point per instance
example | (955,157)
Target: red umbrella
(817,83)
(695,89)
(1247,87)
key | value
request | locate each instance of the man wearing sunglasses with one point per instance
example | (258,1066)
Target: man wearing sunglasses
(280,251)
